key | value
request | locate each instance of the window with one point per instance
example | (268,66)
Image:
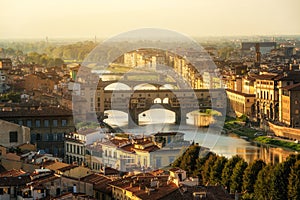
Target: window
(13,136)
(20,122)
(296,111)
(45,137)
(296,102)
(115,154)
(28,123)
(60,136)
(248,100)
(55,123)
(38,137)
(37,123)
(50,137)
(64,122)
(46,123)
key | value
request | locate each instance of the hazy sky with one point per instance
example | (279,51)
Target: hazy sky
(87,18)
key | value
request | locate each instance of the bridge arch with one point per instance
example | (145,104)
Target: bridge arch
(165,100)
(116,117)
(145,86)
(157,100)
(168,87)
(157,116)
(118,86)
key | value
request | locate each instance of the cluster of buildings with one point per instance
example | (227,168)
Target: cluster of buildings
(124,152)
(43,155)
(268,90)
(57,180)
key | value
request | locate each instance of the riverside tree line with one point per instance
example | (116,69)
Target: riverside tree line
(256,180)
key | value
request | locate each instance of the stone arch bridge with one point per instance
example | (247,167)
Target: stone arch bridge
(181,102)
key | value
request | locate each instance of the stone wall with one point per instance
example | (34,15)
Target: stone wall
(291,133)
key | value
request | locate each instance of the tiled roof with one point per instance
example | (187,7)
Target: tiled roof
(294,87)
(99,181)
(167,133)
(55,165)
(66,168)
(15,180)
(138,186)
(12,173)
(240,93)
(266,77)
(31,113)
(186,193)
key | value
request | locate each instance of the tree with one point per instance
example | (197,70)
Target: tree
(227,171)
(294,182)
(206,168)
(200,163)
(262,187)
(278,186)
(189,158)
(216,170)
(250,175)
(237,176)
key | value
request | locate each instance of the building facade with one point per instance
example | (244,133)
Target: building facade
(240,103)
(13,134)
(290,108)
(47,126)
(267,97)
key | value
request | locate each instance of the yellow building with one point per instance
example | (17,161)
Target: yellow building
(267,96)
(290,100)
(240,103)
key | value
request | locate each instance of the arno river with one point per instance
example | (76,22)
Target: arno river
(226,145)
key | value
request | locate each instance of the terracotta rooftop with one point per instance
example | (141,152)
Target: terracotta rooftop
(266,77)
(140,186)
(37,112)
(115,142)
(66,168)
(148,149)
(12,173)
(15,180)
(294,87)
(167,133)
(111,171)
(186,193)
(99,181)
(52,165)
(240,93)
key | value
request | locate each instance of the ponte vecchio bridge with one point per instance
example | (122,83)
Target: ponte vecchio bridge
(135,102)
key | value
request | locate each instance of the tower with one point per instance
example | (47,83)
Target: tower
(258,53)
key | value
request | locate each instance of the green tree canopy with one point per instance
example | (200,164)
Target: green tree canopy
(294,182)
(237,176)
(250,175)
(228,170)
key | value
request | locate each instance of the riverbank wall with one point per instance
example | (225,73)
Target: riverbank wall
(286,132)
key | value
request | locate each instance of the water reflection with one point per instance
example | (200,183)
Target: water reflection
(226,145)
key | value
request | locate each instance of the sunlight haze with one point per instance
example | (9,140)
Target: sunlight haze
(38,19)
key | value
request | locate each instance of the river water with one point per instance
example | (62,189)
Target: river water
(226,145)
